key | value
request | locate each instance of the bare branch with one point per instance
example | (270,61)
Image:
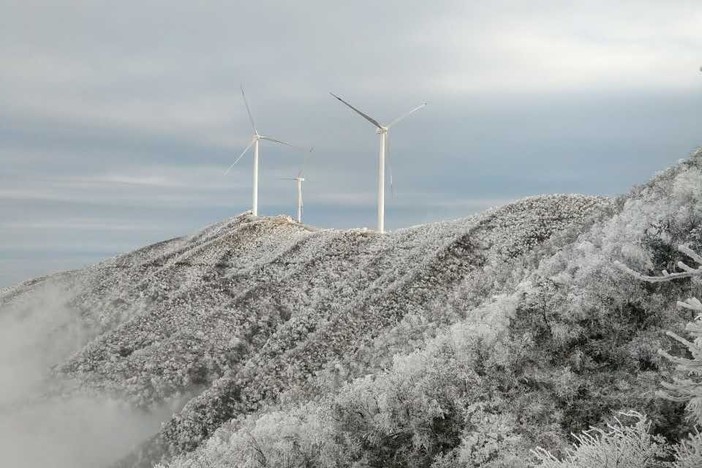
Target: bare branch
(680,339)
(688,271)
(691,304)
(690,253)
(657,279)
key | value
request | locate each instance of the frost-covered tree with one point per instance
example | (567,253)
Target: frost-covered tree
(688,387)
(632,445)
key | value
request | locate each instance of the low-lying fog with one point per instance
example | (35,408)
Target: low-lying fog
(41,430)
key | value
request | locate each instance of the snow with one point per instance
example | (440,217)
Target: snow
(254,309)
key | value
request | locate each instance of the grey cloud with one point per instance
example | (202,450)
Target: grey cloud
(119,114)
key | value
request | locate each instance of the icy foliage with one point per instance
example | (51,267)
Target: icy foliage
(619,445)
(625,445)
(412,402)
(569,340)
(461,343)
(687,386)
(253,306)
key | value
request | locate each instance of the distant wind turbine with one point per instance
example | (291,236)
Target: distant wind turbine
(383,132)
(255,141)
(299,180)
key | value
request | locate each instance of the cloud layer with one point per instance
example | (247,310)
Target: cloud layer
(118,120)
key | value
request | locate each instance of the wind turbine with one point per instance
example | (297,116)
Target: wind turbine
(381,130)
(299,180)
(255,142)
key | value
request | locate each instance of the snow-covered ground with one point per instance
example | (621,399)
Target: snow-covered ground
(258,313)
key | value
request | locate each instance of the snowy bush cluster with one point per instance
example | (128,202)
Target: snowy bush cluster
(461,343)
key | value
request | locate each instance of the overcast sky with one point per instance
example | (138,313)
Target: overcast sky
(118,119)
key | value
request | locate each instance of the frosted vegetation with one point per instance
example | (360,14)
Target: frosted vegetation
(480,342)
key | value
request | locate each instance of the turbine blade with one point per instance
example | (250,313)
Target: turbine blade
(248,147)
(281,142)
(248,110)
(407,114)
(367,117)
(278,141)
(304,161)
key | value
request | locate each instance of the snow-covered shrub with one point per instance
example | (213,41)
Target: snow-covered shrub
(410,415)
(688,453)
(489,439)
(620,445)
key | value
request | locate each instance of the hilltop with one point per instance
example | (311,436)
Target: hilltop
(465,342)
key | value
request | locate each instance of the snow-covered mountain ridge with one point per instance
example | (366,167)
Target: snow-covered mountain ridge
(260,314)
(201,298)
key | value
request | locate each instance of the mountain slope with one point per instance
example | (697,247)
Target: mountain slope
(568,340)
(269,301)
(258,319)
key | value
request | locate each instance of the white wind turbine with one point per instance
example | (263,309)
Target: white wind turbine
(383,132)
(255,142)
(298,180)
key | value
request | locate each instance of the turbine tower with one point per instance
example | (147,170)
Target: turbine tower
(381,130)
(255,142)
(298,180)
